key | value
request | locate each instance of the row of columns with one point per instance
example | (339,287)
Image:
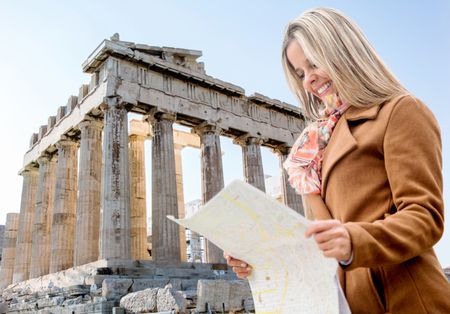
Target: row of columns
(60,224)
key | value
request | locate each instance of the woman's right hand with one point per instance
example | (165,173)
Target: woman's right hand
(241,268)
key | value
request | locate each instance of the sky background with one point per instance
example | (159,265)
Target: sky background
(44,43)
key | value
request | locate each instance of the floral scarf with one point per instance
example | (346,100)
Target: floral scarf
(304,162)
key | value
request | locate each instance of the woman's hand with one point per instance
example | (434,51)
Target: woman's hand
(332,238)
(241,268)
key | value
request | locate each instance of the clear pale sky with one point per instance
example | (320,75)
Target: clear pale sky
(43,44)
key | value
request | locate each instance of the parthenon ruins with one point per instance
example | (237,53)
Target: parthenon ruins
(74,212)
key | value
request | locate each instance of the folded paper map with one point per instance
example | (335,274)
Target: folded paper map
(290,273)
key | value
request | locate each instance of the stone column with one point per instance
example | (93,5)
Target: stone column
(115,229)
(252,161)
(89,192)
(180,196)
(40,252)
(165,237)
(289,196)
(9,250)
(212,177)
(138,198)
(26,219)
(63,223)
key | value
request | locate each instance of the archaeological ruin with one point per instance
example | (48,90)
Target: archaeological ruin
(79,242)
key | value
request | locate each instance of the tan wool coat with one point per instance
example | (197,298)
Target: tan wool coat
(382,177)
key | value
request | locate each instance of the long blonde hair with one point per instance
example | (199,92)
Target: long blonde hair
(334,43)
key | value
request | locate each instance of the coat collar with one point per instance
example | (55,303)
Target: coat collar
(355,113)
(342,141)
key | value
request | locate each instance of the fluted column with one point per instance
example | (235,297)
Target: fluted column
(138,198)
(165,233)
(115,229)
(180,197)
(252,161)
(289,196)
(212,177)
(9,250)
(26,219)
(63,223)
(40,253)
(89,192)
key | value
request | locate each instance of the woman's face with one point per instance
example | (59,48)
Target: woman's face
(315,80)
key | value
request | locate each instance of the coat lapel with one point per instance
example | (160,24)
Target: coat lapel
(342,141)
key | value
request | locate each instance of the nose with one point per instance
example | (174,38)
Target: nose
(310,78)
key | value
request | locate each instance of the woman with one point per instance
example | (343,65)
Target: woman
(370,165)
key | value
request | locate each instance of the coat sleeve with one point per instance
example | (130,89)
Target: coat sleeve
(413,162)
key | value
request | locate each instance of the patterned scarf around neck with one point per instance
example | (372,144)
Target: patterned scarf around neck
(304,162)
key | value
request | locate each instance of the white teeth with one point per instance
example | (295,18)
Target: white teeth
(323,88)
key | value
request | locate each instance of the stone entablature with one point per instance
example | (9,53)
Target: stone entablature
(143,80)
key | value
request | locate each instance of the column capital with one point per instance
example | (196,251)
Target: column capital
(32,167)
(158,114)
(44,158)
(67,141)
(111,101)
(207,127)
(137,137)
(90,121)
(282,149)
(247,139)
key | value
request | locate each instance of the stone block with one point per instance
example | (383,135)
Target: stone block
(141,301)
(94,81)
(51,122)
(223,295)
(118,310)
(83,91)
(46,302)
(71,103)
(33,139)
(3,308)
(76,290)
(42,131)
(73,301)
(168,299)
(142,284)
(60,113)
(115,288)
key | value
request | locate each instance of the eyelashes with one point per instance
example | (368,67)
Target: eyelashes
(301,75)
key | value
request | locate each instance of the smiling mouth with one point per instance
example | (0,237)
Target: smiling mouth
(321,91)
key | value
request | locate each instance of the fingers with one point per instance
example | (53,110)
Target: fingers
(321,226)
(332,238)
(331,234)
(241,268)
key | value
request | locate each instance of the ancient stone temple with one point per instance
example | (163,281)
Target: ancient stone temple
(83,208)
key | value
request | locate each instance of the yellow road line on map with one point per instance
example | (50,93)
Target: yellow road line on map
(253,214)
(250,212)
(265,291)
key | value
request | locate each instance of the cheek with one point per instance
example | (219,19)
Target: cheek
(308,88)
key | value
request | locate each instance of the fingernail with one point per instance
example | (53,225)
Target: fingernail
(243,265)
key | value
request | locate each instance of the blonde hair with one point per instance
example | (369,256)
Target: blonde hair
(331,41)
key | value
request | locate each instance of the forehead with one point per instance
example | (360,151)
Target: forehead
(296,55)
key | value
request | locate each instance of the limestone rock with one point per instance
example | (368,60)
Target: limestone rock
(169,299)
(224,295)
(115,288)
(73,301)
(141,301)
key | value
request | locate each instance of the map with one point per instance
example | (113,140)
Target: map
(290,273)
